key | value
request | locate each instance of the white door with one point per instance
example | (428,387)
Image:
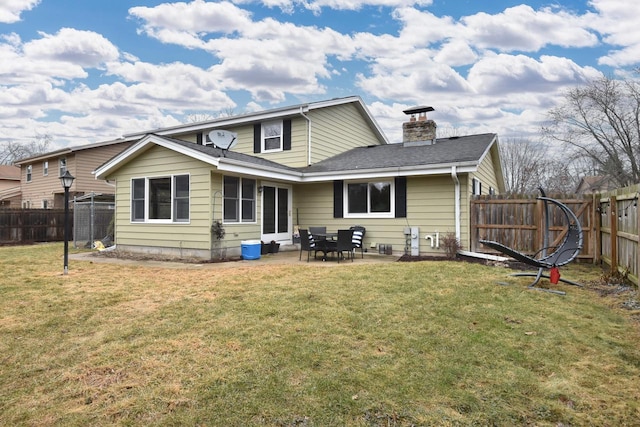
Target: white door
(276,213)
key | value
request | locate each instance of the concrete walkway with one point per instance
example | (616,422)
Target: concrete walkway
(285,257)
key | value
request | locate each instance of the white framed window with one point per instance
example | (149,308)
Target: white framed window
(29,173)
(239,199)
(272,136)
(45,204)
(369,199)
(45,168)
(62,166)
(160,199)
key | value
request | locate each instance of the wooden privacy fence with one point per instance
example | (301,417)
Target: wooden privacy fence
(609,222)
(21,226)
(619,227)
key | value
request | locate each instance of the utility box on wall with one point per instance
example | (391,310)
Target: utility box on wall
(412,234)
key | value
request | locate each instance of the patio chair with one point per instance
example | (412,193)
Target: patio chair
(317,230)
(307,243)
(563,254)
(357,239)
(344,244)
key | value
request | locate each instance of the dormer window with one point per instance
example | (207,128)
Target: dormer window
(272,136)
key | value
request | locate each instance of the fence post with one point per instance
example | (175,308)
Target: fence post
(613,212)
(597,231)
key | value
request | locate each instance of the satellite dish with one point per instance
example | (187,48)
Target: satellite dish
(223,139)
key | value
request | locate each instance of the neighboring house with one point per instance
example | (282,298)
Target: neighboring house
(40,175)
(9,186)
(595,184)
(317,164)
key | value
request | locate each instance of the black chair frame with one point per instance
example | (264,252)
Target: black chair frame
(563,254)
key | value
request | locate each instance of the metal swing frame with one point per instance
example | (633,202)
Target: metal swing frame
(563,254)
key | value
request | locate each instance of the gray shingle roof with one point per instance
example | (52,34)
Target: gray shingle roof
(229,154)
(453,150)
(446,151)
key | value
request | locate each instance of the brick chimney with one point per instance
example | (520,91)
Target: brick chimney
(419,130)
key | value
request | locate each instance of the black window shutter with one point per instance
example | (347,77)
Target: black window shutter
(257,137)
(199,139)
(338,210)
(401,197)
(286,135)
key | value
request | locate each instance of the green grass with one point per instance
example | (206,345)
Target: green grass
(398,344)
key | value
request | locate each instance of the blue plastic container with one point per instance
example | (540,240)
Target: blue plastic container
(250,249)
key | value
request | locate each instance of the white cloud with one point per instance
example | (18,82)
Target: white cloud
(316,6)
(617,21)
(83,48)
(503,74)
(193,18)
(268,58)
(522,28)
(10,10)
(53,58)
(471,69)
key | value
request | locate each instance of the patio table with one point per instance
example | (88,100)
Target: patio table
(326,242)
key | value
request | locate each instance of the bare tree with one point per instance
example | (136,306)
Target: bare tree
(601,121)
(203,117)
(523,164)
(14,151)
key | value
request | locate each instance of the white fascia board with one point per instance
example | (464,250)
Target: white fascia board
(142,146)
(487,150)
(116,161)
(224,122)
(334,102)
(389,172)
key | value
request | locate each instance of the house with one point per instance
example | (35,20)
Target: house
(595,184)
(9,186)
(40,175)
(322,163)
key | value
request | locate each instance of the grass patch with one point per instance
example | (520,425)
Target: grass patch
(398,344)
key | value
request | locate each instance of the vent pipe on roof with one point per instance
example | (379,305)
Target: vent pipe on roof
(419,130)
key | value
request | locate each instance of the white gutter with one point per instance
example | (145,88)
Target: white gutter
(456,192)
(308,134)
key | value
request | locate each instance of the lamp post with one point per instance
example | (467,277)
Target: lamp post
(66,179)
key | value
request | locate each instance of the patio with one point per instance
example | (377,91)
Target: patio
(287,255)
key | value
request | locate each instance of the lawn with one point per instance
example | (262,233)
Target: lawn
(397,344)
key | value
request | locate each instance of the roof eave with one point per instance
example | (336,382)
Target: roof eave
(125,156)
(420,170)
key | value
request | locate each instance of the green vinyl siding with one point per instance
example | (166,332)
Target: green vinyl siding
(158,162)
(487,176)
(338,129)
(430,206)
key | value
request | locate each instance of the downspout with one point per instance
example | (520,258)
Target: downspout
(308,135)
(456,192)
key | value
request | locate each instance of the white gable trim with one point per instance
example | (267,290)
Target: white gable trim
(143,145)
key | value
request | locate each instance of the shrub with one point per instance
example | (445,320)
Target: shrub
(451,245)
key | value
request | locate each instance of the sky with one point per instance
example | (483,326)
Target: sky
(85,71)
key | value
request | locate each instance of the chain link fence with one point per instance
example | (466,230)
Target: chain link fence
(92,221)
